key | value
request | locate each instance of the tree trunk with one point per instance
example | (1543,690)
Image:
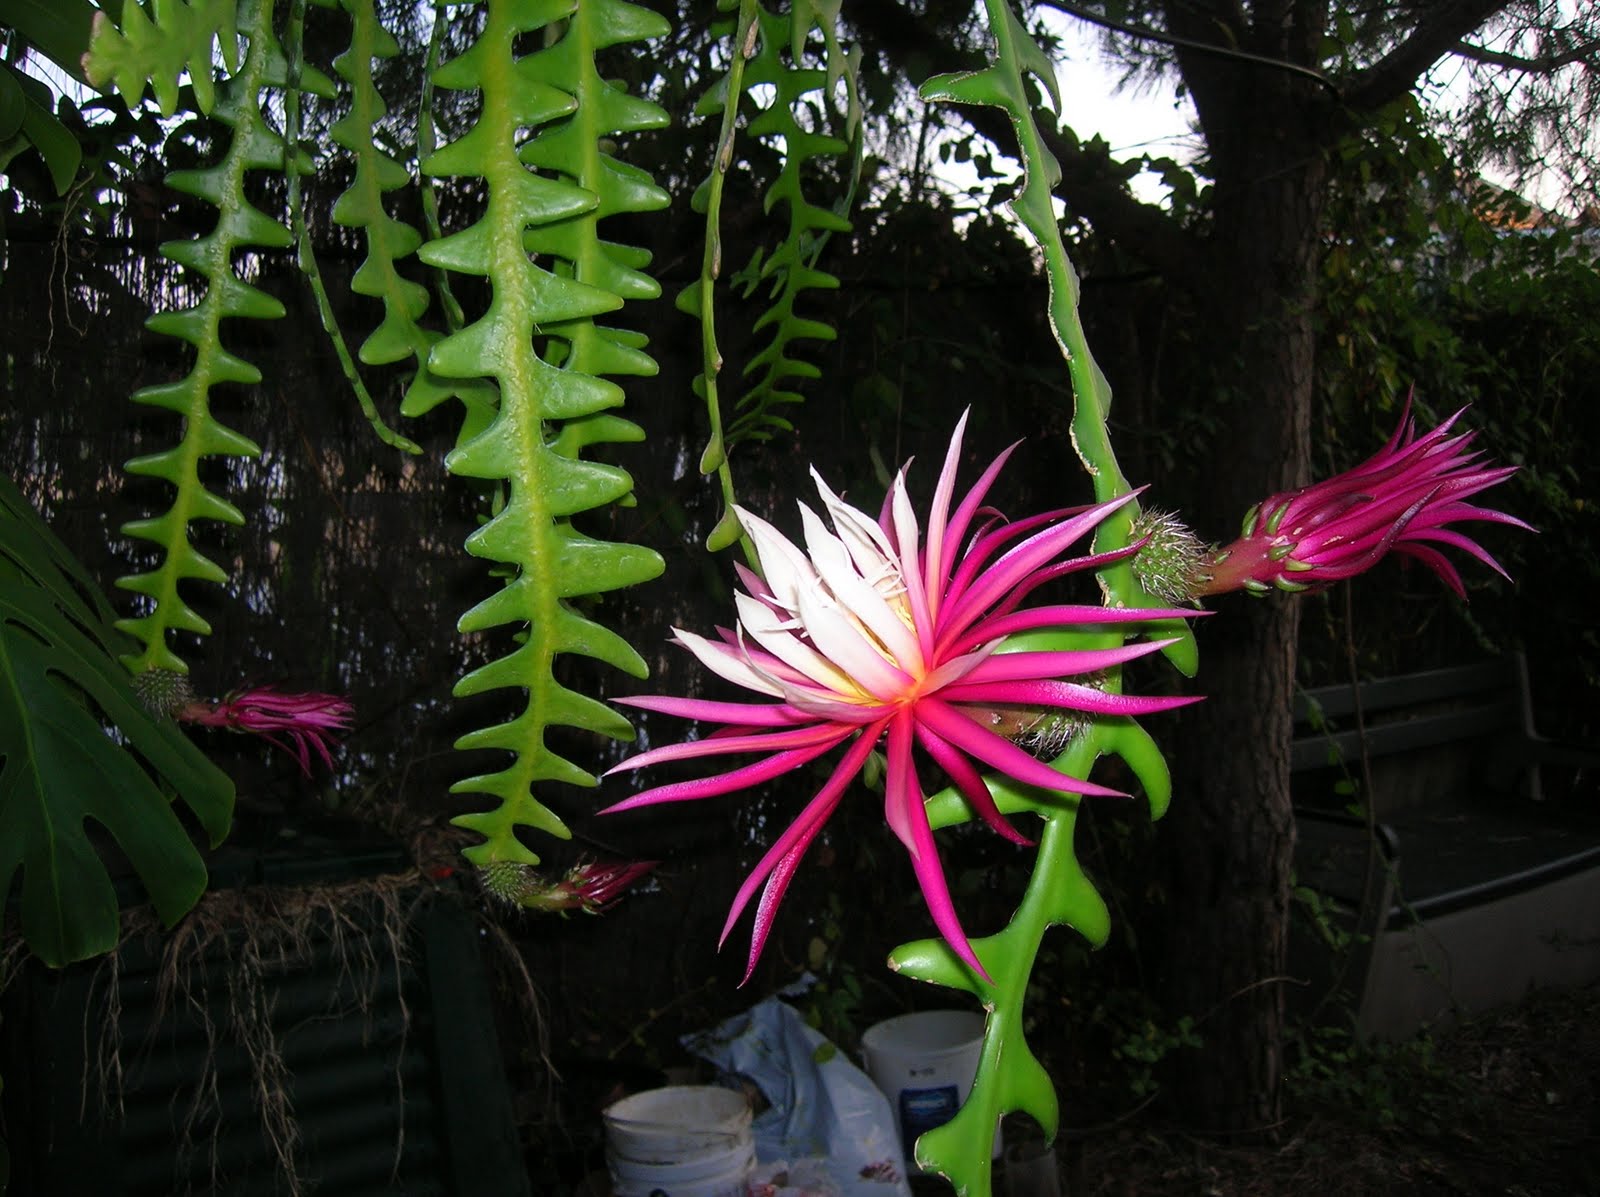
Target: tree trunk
(1230,835)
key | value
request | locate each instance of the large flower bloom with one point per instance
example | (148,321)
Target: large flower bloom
(1399,500)
(887,631)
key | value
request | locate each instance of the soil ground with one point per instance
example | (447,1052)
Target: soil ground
(1506,1104)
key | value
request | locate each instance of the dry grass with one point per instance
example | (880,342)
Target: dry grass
(262,932)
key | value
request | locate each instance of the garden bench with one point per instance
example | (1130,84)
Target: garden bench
(1466,885)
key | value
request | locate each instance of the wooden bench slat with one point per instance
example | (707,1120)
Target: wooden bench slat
(1413,689)
(1386,739)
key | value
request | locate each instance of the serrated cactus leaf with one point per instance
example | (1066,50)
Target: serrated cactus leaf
(179,42)
(252,144)
(547,410)
(801,88)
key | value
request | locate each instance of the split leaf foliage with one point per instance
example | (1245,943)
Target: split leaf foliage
(66,780)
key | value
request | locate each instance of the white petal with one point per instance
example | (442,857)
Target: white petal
(823,705)
(779,638)
(905,534)
(858,597)
(785,566)
(727,662)
(869,547)
(840,638)
(956,668)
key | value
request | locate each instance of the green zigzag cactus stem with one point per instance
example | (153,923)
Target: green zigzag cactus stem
(790,269)
(573,150)
(1003,85)
(400,335)
(253,146)
(162,54)
(306,256)
(1058,893)
(699,298)
(1009,1075)
(550,561)
(427,143)
(768,50)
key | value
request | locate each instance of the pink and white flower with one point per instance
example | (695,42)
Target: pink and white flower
(888,632)
(1400,500)
(300,724)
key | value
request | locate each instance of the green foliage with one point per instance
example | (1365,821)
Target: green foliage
(528,446)
(61,768)
(770,53)
(834,1002)
(28,122)
(178,42)
(1390,1086)
(1010,1077)
(1471,297)
(1004,85)
(254,145)
(789,270)
(58,29)
(1145,1045)
(399,335)
(294,36)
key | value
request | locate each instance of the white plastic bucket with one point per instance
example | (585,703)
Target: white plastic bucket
(720,1174)
(925,1064)
(682,1141)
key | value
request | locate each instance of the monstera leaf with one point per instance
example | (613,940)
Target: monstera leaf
(80,758)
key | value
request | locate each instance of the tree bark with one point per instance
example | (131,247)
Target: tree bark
(1230,836)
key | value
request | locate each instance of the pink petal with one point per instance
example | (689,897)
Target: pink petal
(903,806)
(984,546)
(969,782)
(1002,667)
(1068,695)
(725,783)
(1073,565)
(1444,536)
(1065,616)
(740,713)
(767,909)
(1439,564)
(831,707)
(938,517)
(1013,568)
(798,737)
(999,753)
(793,842)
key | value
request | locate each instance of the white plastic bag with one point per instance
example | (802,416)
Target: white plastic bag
(821,1106)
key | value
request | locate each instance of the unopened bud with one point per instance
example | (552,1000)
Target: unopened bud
(1168,565)
(163,691)
(1042,732)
